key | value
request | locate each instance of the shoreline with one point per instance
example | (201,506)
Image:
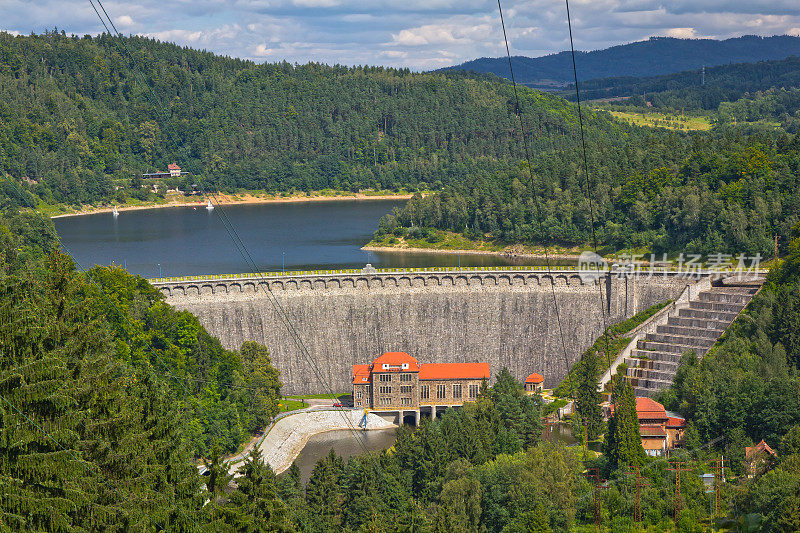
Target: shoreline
(239,199)
(500,253)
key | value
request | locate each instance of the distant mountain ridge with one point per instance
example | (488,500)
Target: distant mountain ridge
(695,88)
(656,56)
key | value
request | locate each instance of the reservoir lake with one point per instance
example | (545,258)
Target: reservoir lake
(179,241)
(188,241)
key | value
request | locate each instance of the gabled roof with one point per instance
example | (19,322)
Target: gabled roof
(534,378)
(173,166)
(454,371)
(760,447)
(360,374)
(395,360)
(649,409)
(676,422)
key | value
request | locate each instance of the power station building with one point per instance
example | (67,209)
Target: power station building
(396,383)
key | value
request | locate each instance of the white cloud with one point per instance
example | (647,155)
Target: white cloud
(419,34)
(682,33)
(125,21)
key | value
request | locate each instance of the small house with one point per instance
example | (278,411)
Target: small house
(534,383)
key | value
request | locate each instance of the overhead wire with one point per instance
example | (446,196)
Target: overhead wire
(233,234)
(540,218)
(588,189)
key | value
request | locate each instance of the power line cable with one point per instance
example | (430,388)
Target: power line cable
(588,189)
(241,247)
(540,218)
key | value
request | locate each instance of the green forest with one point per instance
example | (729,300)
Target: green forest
(95,436)
(729,193)
(698,88)
(80,122)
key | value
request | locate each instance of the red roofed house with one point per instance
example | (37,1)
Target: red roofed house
(759,458)
(660,430)
(397,383)
(534,383)
(174,170)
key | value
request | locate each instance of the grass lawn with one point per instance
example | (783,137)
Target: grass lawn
(339,396)
(288,404)
(654,119)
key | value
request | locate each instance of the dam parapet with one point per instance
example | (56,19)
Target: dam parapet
(502,315)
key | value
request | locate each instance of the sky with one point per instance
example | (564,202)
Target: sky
(419,34)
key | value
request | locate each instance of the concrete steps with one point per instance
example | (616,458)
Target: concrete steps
(654,362)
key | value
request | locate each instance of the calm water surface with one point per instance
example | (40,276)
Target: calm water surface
(344,444)
(189,241)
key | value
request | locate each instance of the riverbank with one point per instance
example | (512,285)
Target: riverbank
(235,199)
(447,242)
(507,253)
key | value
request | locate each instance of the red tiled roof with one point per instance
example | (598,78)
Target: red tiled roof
(454,371)
(760,447)
(649,409)
(534,378)
(676,422)
(396,360)
(173,166)
(652,431)
(360,374)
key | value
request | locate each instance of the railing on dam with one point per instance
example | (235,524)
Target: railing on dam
(433,270)
(439,278)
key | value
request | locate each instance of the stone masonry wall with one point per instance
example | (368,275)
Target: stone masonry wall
(504,318)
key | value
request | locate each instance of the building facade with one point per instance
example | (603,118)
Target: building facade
(396,383)
(534,383)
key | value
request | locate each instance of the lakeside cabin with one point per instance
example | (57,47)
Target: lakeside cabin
(173,171)
(396,385)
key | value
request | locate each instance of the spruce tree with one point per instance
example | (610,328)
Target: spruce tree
(624,443)
(588,399)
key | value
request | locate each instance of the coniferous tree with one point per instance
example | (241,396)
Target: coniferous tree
(624,443)
(588,398)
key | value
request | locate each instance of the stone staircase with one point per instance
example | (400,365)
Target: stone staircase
(652,364)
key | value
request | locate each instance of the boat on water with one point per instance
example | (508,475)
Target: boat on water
(209,206)
(115,212)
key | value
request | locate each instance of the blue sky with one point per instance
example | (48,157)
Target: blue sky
(420,34)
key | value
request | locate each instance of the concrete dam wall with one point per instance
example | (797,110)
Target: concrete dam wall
(504,317)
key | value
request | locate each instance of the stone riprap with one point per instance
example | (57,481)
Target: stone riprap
(287,437)
(503,317)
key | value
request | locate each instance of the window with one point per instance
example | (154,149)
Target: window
(384,389)
(457,390)
(385,378)
(386,400)
(405,389)
(405,401)
(405,376)
(358,394)
(440,391)
(473,391)
(358,403)
(425,392)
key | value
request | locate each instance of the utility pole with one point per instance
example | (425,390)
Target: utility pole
(594,476)
(677,467)
(639,482)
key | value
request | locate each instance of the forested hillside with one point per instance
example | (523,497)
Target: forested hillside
(656,56)
(686,90)
(729,193)
(107,336)
(75,119)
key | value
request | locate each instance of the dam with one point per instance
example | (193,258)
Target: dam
(501,315)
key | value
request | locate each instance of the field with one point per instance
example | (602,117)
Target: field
(654,119)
